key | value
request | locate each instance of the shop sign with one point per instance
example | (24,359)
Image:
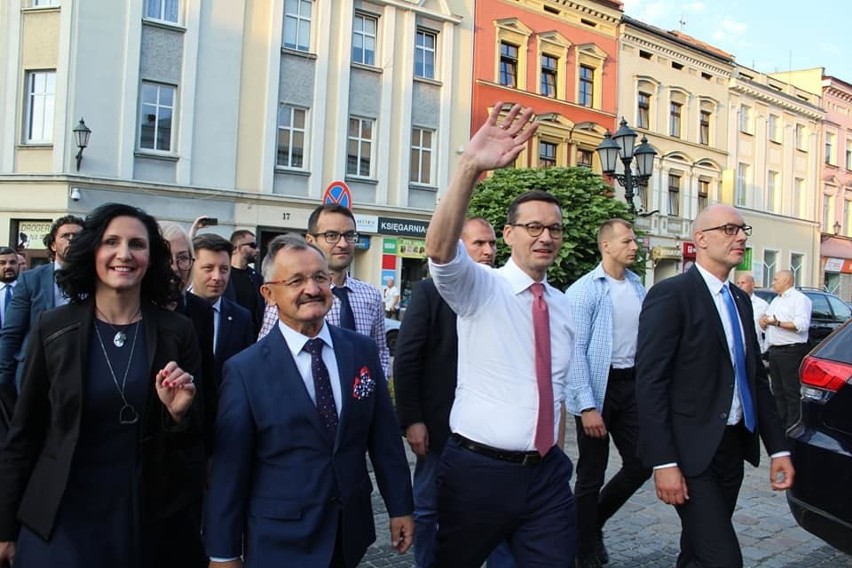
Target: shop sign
(833,265)
(746,263)
(402,227)
(411,248)
(689,251)
(31,234)
(367,223)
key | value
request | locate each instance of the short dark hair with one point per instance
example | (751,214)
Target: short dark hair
(327,208)
(239,234)
(292,241)
(50,238)
(534,195)
(605,230)
(7,250)
(212,242)
(78,276)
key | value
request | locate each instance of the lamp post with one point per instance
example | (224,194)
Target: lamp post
(621,147)
(81,136)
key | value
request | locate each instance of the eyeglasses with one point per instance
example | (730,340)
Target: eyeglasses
(332,237)
(250,245)
(184,262)
(536,229)
(731,229)
(320,279)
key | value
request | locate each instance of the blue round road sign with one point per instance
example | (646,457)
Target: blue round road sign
(337,193)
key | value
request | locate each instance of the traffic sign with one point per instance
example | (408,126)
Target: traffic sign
(337,193)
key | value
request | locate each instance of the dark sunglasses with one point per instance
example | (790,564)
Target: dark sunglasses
(250,245)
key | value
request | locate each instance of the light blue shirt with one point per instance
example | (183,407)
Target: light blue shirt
(591,309)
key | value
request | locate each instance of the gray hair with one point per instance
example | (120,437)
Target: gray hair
(287,241)
(170,230)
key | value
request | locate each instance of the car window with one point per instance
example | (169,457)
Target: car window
(841,310)
(819,307)
(839,347)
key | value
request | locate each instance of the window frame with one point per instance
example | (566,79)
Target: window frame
(674,194)
(675,119)
(769,269)
(298,19)
(507,61)
(360,140)
(772,126)
(419,149)
(582,163)
(47,106)
(797,270)
(425,52)
(741,186)
(799,137)
(798,194)
(773,178)
(830,147)
(704,117)
(586,85)
(549,160)
(161,17)
(643,112)
(549,72)
(292,131)
(44,3)
(745,119)
(172,129)
(703,194)
(365,36)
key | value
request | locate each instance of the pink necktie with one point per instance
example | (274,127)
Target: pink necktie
(541,330)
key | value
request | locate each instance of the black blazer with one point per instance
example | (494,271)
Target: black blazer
(236,332)
(37,458)
(685,380)
(200,313)
(425,364)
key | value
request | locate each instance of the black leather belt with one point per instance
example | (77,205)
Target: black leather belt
(625,373)
(788,346)
(523,458)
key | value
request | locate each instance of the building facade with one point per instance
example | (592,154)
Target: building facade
(244,111)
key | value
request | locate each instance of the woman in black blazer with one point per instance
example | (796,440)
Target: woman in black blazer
(99,468)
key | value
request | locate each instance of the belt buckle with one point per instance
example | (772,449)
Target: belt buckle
(531,459)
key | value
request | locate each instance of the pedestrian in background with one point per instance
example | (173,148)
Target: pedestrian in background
(605,306)
(391,298)
(94,467)
(745,282)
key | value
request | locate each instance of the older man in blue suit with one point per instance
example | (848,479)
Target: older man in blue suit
(35,292)
(298,412)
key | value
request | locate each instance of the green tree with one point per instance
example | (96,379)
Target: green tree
(587,201)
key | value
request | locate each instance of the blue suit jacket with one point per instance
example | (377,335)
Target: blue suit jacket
(280,485)
(33,294)
(236,332)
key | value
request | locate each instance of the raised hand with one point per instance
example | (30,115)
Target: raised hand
(176,389)
(499,141)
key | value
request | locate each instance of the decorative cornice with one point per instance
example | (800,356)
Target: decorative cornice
(771,96)
(683,55)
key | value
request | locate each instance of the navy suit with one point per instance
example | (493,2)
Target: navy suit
(281,489)
(236,332)
(33,294)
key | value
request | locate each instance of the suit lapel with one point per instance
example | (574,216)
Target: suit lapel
(705,300)
(343,353)
(280,360)
(47,284)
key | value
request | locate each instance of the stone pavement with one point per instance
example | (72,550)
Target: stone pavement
(645,532)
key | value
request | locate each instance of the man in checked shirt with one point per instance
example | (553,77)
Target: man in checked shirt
(357,305)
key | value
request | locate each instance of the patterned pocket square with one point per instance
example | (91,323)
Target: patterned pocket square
(364,385)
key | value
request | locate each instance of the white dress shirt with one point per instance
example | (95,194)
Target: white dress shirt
(296,343)
(496,399)
(792,306)
(759,306)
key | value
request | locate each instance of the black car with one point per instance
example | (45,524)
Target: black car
(828,312)
(821,442)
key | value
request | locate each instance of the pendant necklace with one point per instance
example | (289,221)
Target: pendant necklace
(120,337)
(128,414)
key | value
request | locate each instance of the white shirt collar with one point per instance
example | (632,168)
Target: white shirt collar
(518,279)
(296,341)
(713,283)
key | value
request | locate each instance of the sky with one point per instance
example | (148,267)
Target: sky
(766,35)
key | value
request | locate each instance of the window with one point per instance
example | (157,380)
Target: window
(643,110)
(586,96)
(704,128)
(546,154)
(364,39)
(548,75)
(827,212)
(421,156)
(847,216)
(674,195)
(740,190)
(41,89)
(770,259)
(163,10)
(674,119)
(292,137)
(799,135)
(424,54)
(359,151)
(745,119)
(772,127)
(830,157)
(508,65)
(848,154)
(155,117)
(796,262)
(703,194)
(43,3)
(297,24)
(798,195)
(771,190)
(584,158)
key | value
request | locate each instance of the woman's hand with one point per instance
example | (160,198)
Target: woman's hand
(7,552)
(176,389)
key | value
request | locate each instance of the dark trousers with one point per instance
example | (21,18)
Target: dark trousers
(597,502)
(784,364)
(483,500)
(707,538)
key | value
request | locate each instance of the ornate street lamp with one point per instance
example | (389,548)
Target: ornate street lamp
(621,147)
(81,136)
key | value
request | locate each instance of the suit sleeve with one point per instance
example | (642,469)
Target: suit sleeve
(14,331)
(230,475)
(579,395)
(387,453)
(660,327)
(26,436)
(411,345)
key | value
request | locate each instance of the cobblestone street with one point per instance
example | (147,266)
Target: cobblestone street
(645,532)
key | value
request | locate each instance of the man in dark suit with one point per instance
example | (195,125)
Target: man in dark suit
(703,394)
(35,292)
(424,376)
(232,323)
(298,412)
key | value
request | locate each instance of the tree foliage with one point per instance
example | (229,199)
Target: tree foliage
(587,201)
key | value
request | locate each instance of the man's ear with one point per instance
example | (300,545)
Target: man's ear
(311,239)
(507,234)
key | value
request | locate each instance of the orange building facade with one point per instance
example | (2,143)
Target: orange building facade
(558,57)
